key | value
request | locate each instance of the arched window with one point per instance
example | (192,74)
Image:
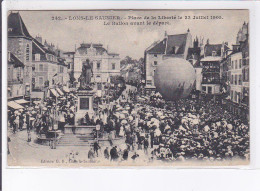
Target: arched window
(27,52)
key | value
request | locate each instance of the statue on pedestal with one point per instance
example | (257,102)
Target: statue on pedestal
(85,77)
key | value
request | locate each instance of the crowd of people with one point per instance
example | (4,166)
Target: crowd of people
(186,129)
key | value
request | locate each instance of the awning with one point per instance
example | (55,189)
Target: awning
(53,91)
(14,105)
(59,91)
(21,101)
(65,89)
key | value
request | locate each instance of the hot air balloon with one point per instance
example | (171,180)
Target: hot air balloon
(174,78)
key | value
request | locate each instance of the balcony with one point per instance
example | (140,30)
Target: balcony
(214,81)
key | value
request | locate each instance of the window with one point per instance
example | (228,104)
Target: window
(209,90)
(37,57)
(19,74)
(214,53)
(232,64)
(61,69)
(155,63)
(231,95)
(204,88)
(240,63)
(98,65)
(113,66)
(236,80)
(235,64)
(41,67)
(240,80)
(40,81)
(155,55)
(33,67)
(232,79)
(149,82)
(27,52)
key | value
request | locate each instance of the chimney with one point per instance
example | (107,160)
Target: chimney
(39,39)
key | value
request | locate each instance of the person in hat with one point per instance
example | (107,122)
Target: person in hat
(125,154)
(21,118)
(114,154)
(96,147)
(146,145)
(106,153)
(135,156)
(91,155)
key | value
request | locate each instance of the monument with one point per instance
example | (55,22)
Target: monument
(85,100)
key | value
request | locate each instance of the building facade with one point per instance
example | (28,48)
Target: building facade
(236,88)
(45,66)
(212,56)
(69,61)
(104,64)
(176,46)
(15,77)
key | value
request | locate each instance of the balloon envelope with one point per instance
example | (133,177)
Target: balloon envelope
(174,78)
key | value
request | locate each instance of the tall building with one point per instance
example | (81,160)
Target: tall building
(212,56)
(171,46)
(20,45)
(104,63)
(69,61)
(239,74)
(45,66)
(235,72)
(194,56)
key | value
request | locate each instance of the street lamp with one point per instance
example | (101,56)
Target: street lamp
(54,115)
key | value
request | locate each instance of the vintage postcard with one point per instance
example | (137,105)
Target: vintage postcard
(128,88)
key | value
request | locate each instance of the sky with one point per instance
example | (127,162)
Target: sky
(132,40)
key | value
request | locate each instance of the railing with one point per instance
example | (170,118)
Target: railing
(211,81)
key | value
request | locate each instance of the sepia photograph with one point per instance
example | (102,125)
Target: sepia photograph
(105,88)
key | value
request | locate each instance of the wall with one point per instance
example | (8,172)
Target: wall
(150,67)
(235,58)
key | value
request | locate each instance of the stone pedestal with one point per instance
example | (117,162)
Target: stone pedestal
(85,105)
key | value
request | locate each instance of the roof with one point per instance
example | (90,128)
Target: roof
(84,46)
(68,52)
(114,54)
(40,48)
(194,53)
(178,41)
(209,48)
(168,45)
(158,48)
(16,26)
(15,61)
(211,59)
